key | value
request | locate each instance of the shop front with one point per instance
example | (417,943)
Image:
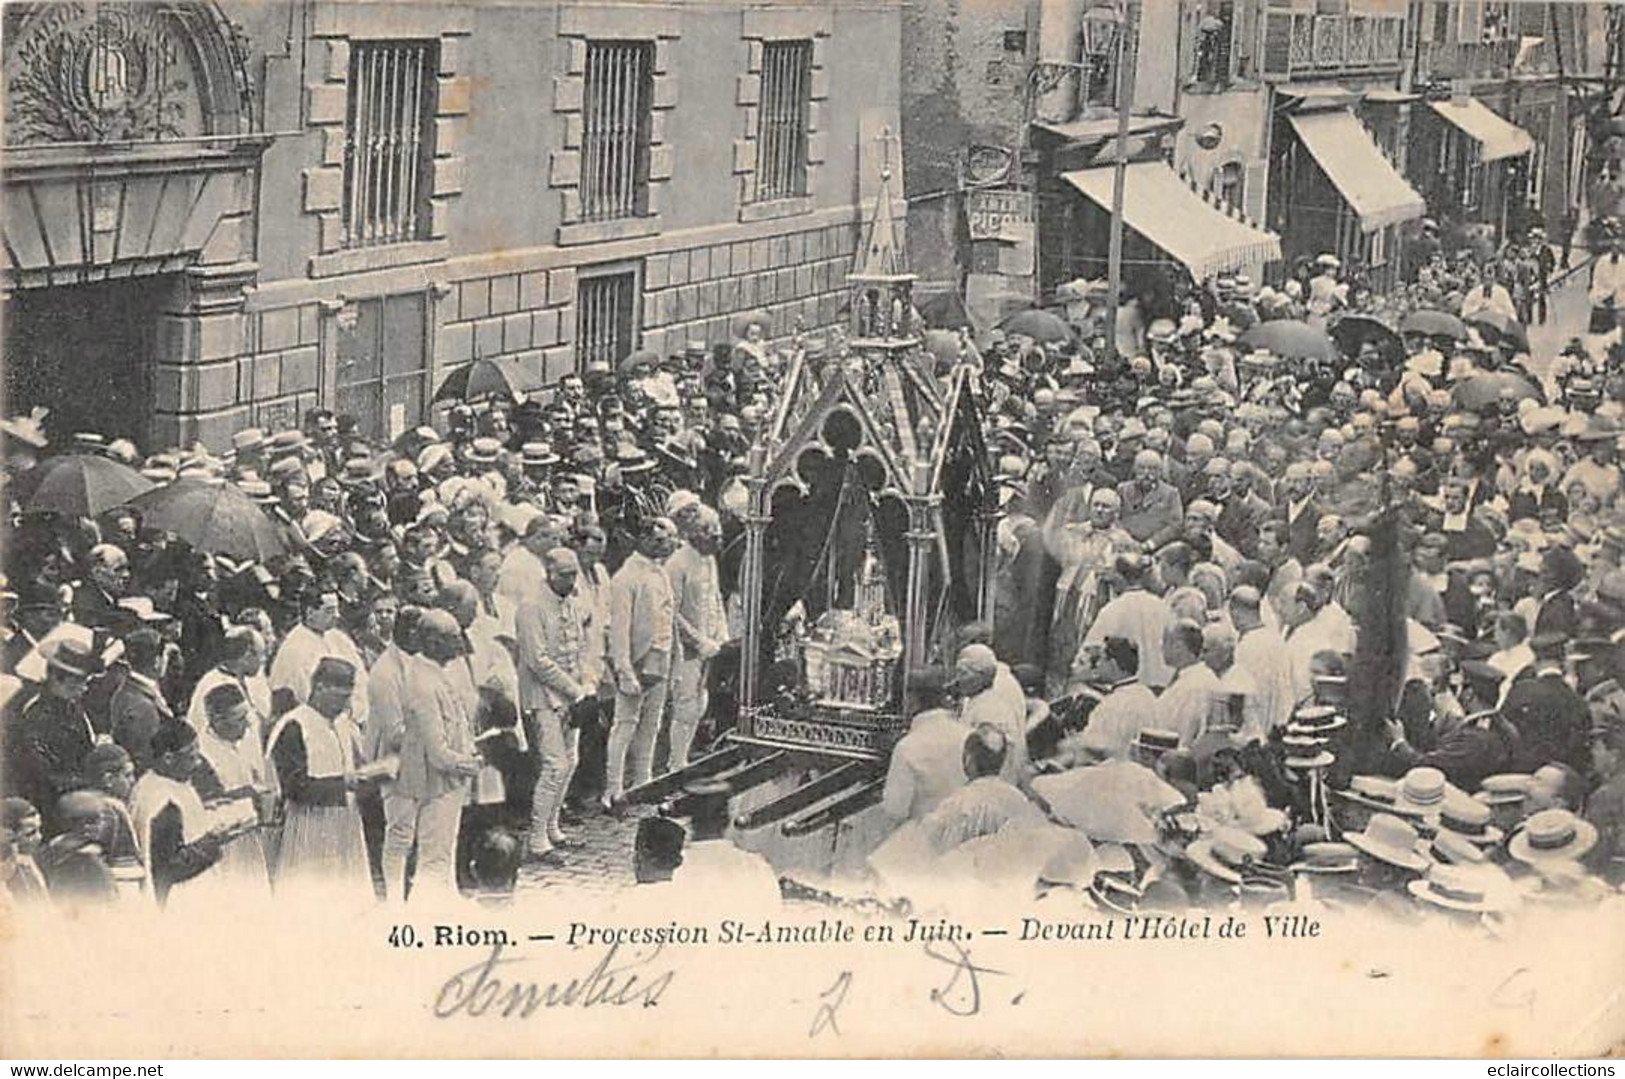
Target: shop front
(1474,163)
(1169,223)
(1334,190)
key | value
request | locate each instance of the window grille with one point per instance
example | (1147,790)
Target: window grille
(389,142)
(606,317)
(781,169)
(615,139)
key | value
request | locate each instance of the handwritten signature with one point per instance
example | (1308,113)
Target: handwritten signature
(613,981)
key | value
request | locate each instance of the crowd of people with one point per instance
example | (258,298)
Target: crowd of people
(1260,617)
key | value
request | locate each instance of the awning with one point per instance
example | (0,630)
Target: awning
(1105,127)
(1357,168)
(1497,137)
(1161,207)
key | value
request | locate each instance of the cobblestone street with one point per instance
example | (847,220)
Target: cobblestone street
(602,864)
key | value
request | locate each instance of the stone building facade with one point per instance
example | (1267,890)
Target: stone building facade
(224,213)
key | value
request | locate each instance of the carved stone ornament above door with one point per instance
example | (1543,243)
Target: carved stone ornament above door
(122,72)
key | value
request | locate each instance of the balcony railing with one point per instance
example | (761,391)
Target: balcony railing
(1467,60)
(1306,45)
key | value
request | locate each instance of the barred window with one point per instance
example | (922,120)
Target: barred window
(606,316)
(389,142)
(781,137)
(615,137)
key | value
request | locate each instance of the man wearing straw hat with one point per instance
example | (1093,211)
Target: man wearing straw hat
(46,749)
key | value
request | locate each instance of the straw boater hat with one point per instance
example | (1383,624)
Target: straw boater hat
(1306,759)
(1153,740)
(1468,818)
(1553,835)
(537,455)
(1446,846)
(1327,858)
(631,459)
(286,442)
(1317,720)
(1373,792)
(1226,853)
(483,451)
(1505,788)
(1461,888)
(71,656)
(1389,839)
(258,491)
(360,470)
(1422,793)
(248,440)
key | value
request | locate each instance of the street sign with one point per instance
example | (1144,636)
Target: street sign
(998,215)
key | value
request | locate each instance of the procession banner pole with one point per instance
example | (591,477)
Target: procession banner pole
(1126,50)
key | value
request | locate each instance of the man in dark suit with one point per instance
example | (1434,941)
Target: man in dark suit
(39,611)
(1560,573)
(1300,511)
(95,600)
(1551,719)
(138,706)
(1241,512)
(47,746)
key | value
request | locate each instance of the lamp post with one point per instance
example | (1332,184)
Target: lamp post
(1127,46)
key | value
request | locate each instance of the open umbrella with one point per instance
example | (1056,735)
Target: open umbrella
(1480,390)
(212,516)
(503,376)
(1433,323)
(1112,803)
(1354,332)
(1500,330)
(1290,338)
(80,485)
(1041,326)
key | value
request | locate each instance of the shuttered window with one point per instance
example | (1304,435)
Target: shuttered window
(606,316)
(389,142)
(615,137)
(781,138)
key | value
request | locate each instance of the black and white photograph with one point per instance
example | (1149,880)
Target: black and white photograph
(975,487)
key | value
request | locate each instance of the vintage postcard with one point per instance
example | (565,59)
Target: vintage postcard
(812,528)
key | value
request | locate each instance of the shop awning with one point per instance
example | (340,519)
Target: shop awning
(1161,207)
(1357,168)
(1497,137)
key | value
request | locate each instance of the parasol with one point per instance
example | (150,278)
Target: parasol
(1480,390)
(80,485)
(212,516)
(500,377)
(1354,332)
(1041,326)
(1432,323)
(1291,339)
(1115,802)
(1501,329)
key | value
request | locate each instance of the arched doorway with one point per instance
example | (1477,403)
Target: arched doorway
(127,211)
